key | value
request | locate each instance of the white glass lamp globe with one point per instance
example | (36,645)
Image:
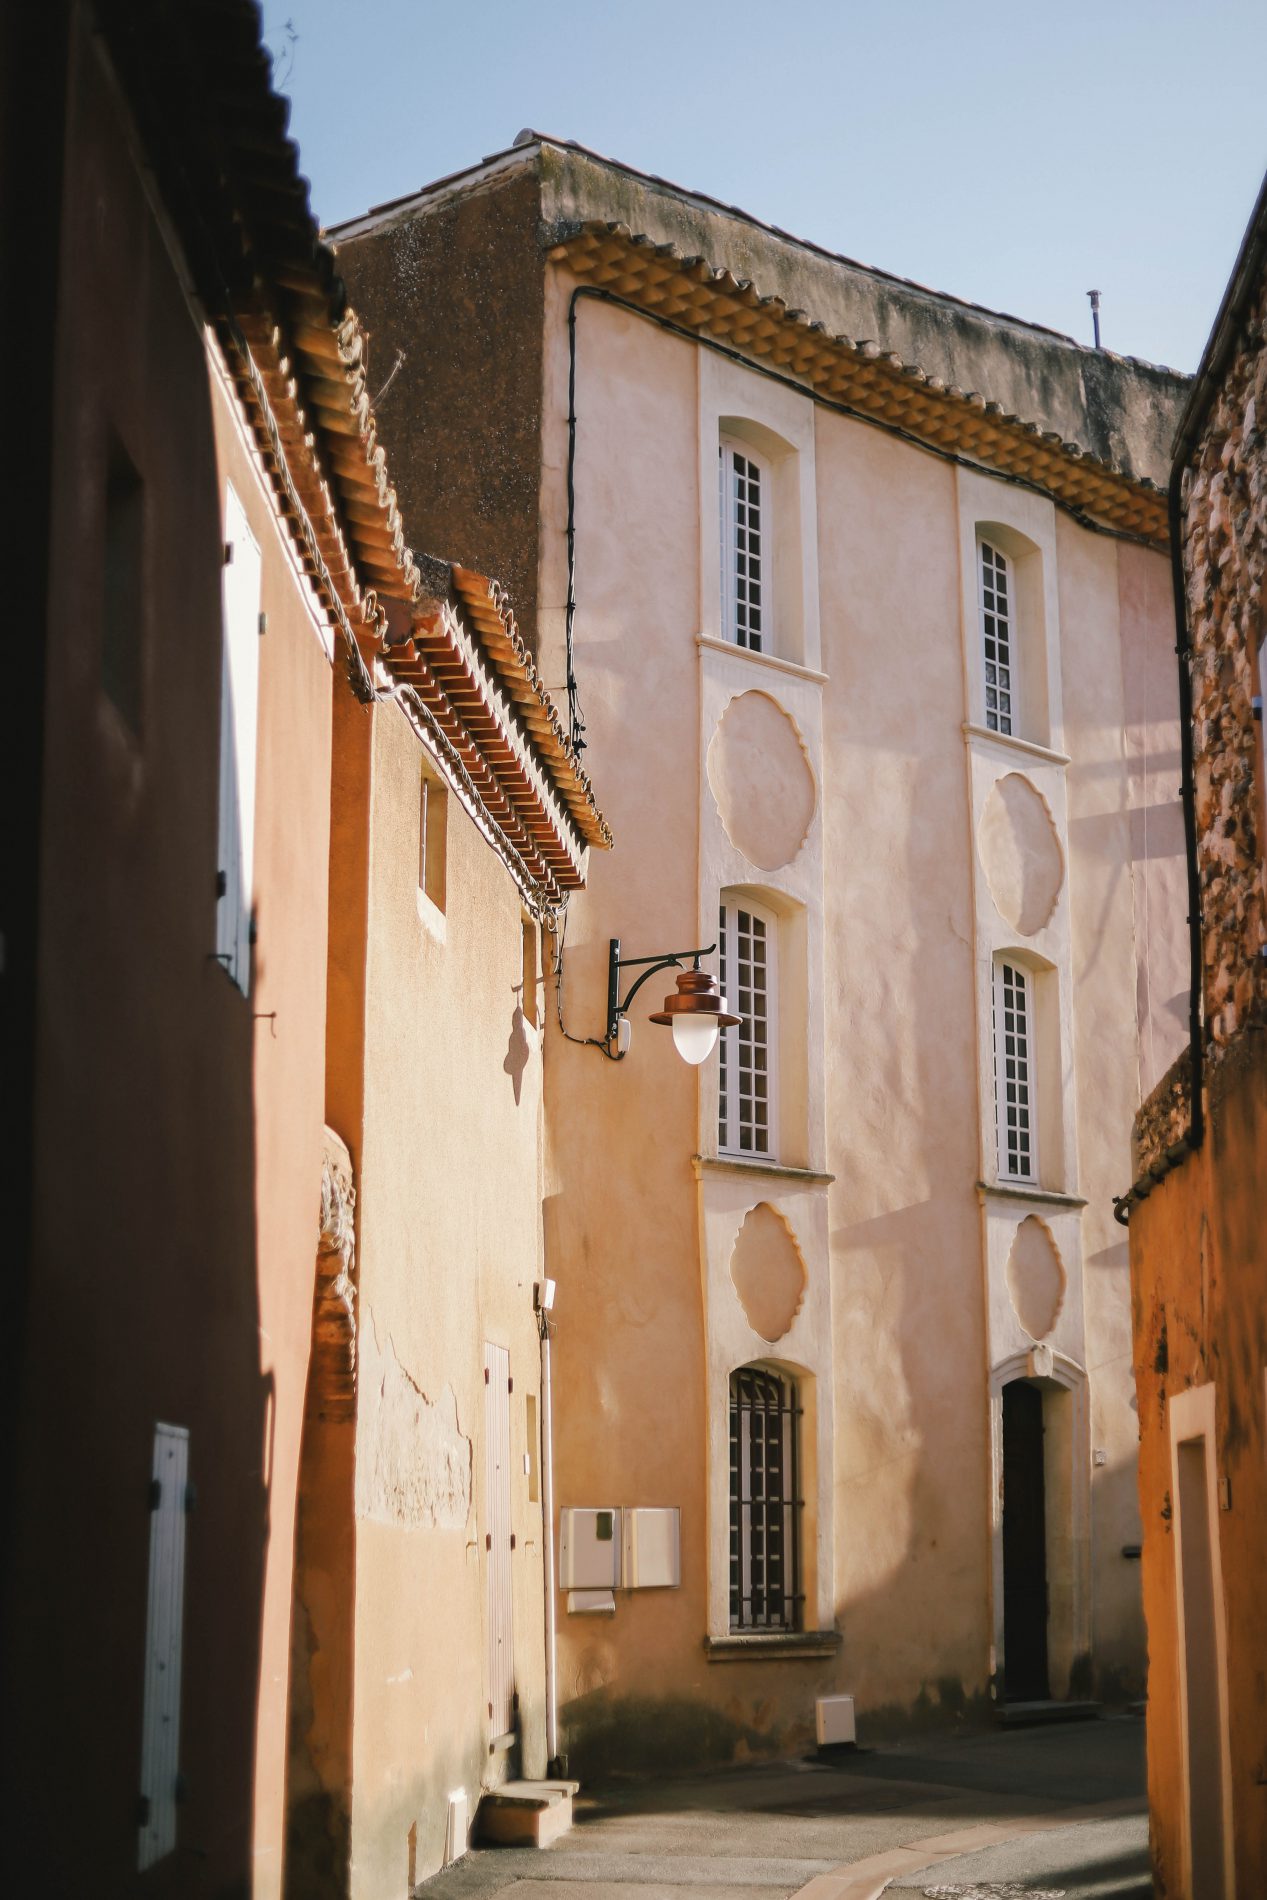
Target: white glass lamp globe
(695,1037)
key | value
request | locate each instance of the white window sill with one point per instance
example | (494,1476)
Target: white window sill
(1008,742)
(431,917)
(771,1645)
(757,1164)
(1028,1191)
(706,642)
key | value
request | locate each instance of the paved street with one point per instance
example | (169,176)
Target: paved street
(971,1818)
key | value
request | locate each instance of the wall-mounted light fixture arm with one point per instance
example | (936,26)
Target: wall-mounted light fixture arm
(695,1013)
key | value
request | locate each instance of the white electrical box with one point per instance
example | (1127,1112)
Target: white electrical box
(589,1548)
(833,1716)
(653,1555)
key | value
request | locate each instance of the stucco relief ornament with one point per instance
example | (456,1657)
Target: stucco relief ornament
(760,776)
(768,1272)
(1036,1278)
(334,1297)
(1020,853)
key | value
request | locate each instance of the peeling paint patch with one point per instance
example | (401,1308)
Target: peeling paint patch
(413,1465)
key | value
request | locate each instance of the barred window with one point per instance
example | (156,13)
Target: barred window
(745,552)
(765,1502)
(997,638)
(1013,1070)
(747,1073)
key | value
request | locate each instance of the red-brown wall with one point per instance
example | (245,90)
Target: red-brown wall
(177,1123)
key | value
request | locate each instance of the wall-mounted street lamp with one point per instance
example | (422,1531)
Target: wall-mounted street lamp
(695,1011)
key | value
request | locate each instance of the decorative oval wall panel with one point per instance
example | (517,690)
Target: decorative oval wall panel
(760,776)
(1020,853)
(1035,1277)
(768,1272)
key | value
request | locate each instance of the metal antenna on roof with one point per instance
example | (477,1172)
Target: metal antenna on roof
(1094,295)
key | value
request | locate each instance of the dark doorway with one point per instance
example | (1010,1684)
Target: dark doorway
(1024,1546)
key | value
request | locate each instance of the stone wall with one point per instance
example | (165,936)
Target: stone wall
(1225,559)
(1163,1121)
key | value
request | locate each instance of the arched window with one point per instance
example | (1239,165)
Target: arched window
(1015,1094)
(996,596)
(765,1501)
(747,543)
(747,1122)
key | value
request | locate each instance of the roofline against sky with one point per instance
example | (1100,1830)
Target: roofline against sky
(529,142)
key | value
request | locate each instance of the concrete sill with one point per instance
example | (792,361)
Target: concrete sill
(772,1646)
(1009,742)
(1009,1191)
(770,1170)
(775,661)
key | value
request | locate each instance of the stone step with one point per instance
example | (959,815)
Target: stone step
(526,1813)
(1034,1714)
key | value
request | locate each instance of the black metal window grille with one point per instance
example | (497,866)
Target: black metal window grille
(765,1502)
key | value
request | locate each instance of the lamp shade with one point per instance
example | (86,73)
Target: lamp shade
(696,1011)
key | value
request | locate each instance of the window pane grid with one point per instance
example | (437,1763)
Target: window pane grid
(765,1504)
(745,1117)
(1012,1072)
(743,549)
(997,639)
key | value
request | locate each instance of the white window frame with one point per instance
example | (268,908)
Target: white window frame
(736,617)
(997,625)
(239,723)
(1025,1081)
(739,1039)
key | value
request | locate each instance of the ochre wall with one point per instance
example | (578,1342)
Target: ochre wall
(177,1135)
(446,1142)
(1199,1270)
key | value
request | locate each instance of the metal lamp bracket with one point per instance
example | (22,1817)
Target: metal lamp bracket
(649,966)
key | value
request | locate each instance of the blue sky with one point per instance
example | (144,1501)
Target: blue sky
(1013,154)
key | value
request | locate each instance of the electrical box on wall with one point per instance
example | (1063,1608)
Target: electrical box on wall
(590,1541)
(652,1553)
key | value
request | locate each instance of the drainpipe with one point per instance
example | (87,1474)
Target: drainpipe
(556,1764)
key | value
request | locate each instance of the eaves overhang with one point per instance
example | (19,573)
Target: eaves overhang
(705,299)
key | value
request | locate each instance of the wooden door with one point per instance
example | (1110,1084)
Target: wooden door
(1024,1546)
(498,1541)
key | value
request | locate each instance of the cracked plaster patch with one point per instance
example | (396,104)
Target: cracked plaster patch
(413,1466)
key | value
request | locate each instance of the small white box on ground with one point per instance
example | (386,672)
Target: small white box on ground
(457,1826)
(834,1721)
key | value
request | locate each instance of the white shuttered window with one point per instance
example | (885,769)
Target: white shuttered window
(745,547)
(1014,1071)
(239,705)
(748,1068)
(160,1719)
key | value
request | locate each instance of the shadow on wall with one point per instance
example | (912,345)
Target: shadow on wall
(144,1305)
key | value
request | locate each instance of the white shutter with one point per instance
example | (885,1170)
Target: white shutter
(501,1645)
(239,705)
(160,1720)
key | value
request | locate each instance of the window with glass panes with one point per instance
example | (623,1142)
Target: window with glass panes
(997,638)
(745,562)
(747,1081)
(765,1503)
(1013,1070)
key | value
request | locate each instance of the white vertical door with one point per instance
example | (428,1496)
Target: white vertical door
(239,707)
(160,1720)
(498,1543)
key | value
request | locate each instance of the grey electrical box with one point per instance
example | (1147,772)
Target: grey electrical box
(653,1553)
(590,1545)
